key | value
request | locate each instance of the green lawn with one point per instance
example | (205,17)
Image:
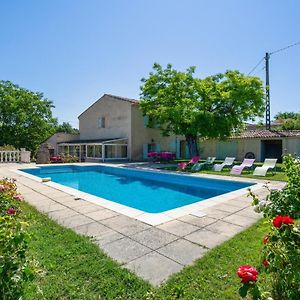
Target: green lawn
(72,267)
(278,175)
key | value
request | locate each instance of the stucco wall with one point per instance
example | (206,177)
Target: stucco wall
(249,145)
(59,138)
(291,145)
(143,135)
(117,119)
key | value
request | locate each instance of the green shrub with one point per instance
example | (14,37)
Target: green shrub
(280,256)
(14,267)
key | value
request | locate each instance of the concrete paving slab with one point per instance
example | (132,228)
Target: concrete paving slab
(228,208)
(198,221)
(213,212)
(224,228)
(154,238)
(125,250)
(60,215)
(178,228)
(108,237)
(101,214)
(206,238)
(93,229)
(88,208)
(154,267)
(240,220)
(183,251)
(75,221)
(125,225)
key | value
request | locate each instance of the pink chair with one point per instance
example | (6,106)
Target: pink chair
(247,163)
(182,166)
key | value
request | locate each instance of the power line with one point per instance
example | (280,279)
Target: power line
(282,49)
(254,68)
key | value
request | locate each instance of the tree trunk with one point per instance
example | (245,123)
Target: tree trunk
(193,145)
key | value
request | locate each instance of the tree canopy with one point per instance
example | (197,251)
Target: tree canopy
(25,117)
(66,127)
(212,107)
(291,120)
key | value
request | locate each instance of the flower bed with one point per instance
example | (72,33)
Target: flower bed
(280,255)
(14,267)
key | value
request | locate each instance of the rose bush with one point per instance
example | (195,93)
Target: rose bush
(14,267)
(280,255)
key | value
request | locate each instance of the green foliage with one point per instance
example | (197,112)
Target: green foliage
(7,148)
(25,117)
(14,239)
(68,158)
(286,115)
(286,201)
(291,120)
(66,127)
(280,256)
(213,107)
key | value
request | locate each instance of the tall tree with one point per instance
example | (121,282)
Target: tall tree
(66,127)
(290,120)
(213,107)
(25,117)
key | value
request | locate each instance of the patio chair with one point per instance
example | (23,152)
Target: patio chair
(227,163)
(247,163)
(199,166)
(182,166)
(269,163)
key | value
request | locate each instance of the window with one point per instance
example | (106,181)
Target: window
(101,122)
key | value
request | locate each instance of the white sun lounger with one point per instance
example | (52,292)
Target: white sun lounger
(269,163)
(227,163)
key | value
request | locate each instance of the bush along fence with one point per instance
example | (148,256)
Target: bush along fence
(14,239)
(280,256)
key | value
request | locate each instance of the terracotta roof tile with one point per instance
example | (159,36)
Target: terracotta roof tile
(267,134)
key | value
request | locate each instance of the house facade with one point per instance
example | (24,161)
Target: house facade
(259,144)
(114,128)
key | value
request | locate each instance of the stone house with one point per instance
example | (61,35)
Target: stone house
(114,127)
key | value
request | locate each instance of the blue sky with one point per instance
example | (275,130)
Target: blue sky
(74,51)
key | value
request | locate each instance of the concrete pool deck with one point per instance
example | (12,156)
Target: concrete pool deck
(152,251)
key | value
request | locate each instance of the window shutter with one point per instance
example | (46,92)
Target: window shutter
(145,151)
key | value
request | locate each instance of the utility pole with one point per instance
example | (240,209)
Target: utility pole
(268,113)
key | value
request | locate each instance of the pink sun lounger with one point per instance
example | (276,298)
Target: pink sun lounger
(247,163)
(183,165)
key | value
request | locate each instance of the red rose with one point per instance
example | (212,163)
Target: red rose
(247,273)
(11,211)
(266,239)
(287,220)
(266,263)
(279,220)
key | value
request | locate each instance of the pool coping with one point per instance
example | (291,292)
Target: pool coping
(153,219)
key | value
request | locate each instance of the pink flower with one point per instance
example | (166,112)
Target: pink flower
(11,211)
(19,197)
(2,188)
(247,273)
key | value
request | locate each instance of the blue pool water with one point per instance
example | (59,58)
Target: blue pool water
(147,191)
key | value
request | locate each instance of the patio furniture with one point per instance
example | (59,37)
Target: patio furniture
(56,159)
(163,155)
(247,163)
(199,166)
(227,163)
(269,163)
(182,166)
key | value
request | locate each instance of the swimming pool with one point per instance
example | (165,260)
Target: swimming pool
(151,192)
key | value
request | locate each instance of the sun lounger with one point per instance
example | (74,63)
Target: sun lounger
(247,163)
(269,163)
(200,166)
(183,165)
(227,163)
